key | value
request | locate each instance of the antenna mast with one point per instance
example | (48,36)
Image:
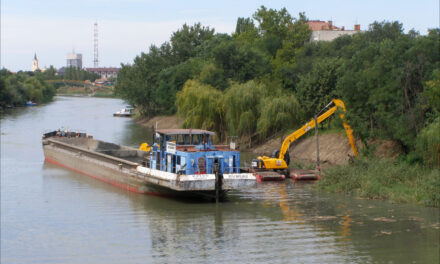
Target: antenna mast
(95,42)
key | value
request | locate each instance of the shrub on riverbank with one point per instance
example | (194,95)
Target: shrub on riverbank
(385,179)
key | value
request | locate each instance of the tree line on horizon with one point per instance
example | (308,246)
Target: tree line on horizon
(267,76)
(18,88)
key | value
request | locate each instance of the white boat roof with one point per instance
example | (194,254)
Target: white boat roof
(184,131)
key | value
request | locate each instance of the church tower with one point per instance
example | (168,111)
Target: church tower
(35,63)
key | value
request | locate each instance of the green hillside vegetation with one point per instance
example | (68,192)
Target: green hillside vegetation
(268,77)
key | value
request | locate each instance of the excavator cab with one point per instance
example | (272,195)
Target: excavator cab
(257,164)
(276,154)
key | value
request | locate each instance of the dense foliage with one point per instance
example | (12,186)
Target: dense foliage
(17,89)
(267,76)
(72,73)
(239,74)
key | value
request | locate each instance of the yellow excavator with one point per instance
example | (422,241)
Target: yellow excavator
(280,160)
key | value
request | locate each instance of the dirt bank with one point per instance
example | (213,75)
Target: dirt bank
(162,122)
(334,149)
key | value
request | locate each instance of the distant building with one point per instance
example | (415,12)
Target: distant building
(61,71)
(35,63)
(74,60)
(104,72)
(326,31)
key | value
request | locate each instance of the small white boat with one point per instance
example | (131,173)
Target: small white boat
(30,103)
(125,112)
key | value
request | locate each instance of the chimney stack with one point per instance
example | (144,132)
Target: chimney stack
(330,25)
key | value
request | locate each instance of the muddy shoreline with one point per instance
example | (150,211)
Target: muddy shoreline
(334,148)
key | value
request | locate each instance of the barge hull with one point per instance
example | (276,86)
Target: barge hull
(82,164)
(136,187)
(115,164)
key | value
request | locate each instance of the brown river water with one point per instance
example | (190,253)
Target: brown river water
(53,215)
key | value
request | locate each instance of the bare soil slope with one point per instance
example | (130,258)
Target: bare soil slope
(334,149)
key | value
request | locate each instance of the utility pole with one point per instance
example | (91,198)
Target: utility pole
(318,168)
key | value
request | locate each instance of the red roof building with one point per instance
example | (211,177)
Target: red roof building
(315,25)
(326,31)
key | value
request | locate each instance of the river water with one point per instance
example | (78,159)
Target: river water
(53,215)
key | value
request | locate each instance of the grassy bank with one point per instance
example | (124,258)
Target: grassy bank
(385,179)
(86,90)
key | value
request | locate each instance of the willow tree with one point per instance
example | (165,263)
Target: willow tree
(256,108)
(279,112)
(201,105)
(242,104)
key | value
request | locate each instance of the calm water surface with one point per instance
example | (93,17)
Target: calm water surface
(52,215)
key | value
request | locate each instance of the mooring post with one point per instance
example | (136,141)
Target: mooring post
(218,181)
(317,146)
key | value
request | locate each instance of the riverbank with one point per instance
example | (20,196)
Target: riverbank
(92,91)
(334,147)
(379,178)
(161,122)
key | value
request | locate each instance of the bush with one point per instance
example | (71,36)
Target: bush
(385,179)
(428,144)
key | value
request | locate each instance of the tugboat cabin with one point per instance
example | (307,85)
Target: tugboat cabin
(190,151)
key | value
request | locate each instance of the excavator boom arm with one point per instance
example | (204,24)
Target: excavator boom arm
(311,124)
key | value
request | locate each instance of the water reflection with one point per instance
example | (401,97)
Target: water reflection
(53,215)
(220,233)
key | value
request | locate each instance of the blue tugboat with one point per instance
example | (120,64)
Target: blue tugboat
(181,162)
(190,151)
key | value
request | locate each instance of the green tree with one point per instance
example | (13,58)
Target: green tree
(432,91)
(383,83)
(318,87)
(279,112)
(214,76)
(240,62)
(202,107)
(273,27)
(138,83)
(242,104)
(284,62)
(186,40)
(171,80)
(245,30)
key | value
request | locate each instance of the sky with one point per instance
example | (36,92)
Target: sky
(53,28)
